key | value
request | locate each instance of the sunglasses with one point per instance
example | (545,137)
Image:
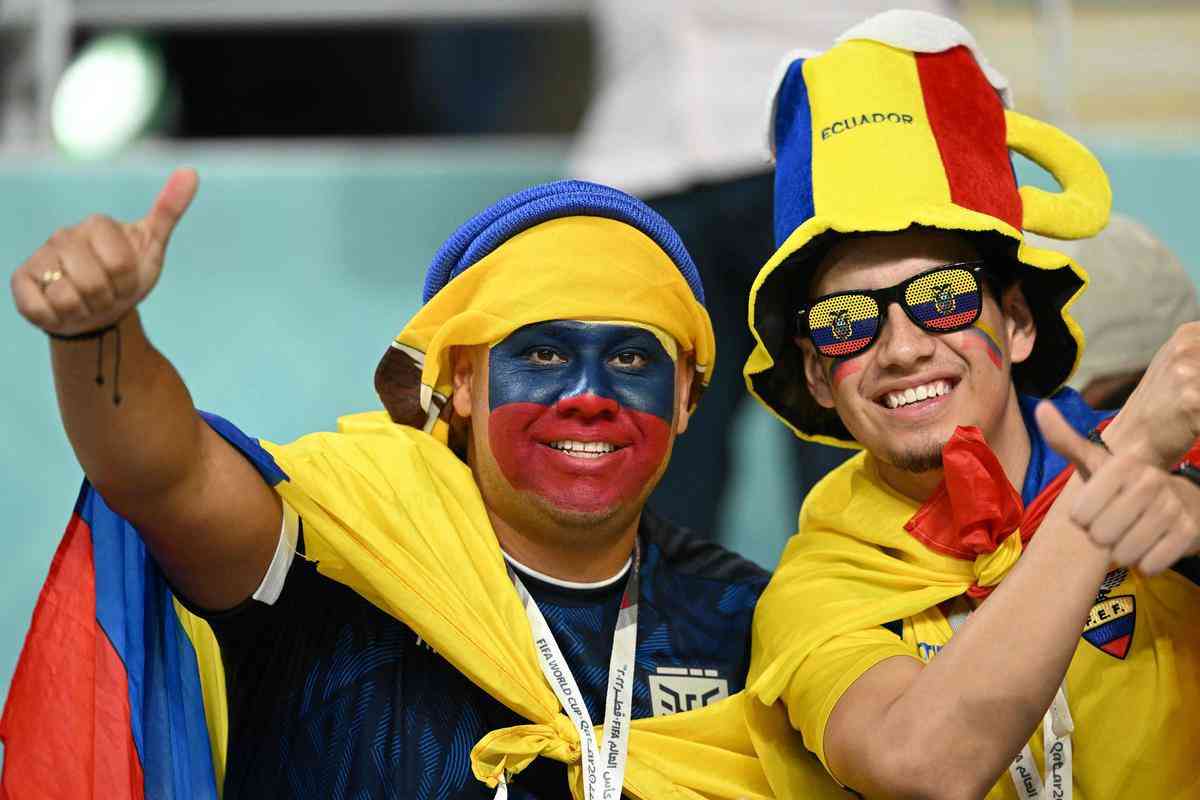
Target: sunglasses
(940,300)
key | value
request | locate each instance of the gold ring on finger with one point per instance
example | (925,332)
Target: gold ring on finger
(48,277)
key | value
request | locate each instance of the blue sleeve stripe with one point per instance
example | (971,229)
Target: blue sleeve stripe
(263,461)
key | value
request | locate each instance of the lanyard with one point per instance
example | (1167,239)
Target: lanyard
(603,758)
(1057,727)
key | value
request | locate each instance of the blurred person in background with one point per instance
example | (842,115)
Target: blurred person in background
(1138,296)
(677,119)
(983,602)
(401,608)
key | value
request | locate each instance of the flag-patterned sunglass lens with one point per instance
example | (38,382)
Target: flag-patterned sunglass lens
(942,300)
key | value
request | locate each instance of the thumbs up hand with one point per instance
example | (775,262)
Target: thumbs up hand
(90,275)
(1148,517)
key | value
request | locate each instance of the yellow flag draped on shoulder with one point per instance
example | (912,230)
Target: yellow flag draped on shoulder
(396,516)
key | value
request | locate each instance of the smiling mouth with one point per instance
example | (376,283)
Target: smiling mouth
(916,394)
(578,449)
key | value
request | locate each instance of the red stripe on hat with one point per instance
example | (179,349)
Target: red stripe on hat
(84,746)
(967,118)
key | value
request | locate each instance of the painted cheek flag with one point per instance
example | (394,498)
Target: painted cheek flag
(110,694)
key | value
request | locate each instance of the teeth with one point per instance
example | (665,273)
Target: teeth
(915,394)
(584,449)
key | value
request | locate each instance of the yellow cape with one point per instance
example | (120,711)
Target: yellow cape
(393,514)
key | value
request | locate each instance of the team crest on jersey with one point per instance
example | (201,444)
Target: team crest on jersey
(1110,625)
(1110,622)
(676,689)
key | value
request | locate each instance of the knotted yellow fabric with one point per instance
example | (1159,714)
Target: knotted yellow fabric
(397,517)
(991,567)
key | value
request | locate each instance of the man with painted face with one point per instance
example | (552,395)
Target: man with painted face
(961,601)
(423,603)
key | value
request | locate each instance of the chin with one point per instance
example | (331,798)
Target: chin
(912,453)
(583,513)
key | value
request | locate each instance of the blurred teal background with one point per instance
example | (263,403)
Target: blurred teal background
(292,272)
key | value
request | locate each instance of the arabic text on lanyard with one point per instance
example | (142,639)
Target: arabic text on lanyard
(1057,727)
(603,761)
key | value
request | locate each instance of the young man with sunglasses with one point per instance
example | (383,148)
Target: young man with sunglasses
(423,603)
(962,601)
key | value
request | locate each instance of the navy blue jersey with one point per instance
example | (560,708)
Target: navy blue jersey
(330,697)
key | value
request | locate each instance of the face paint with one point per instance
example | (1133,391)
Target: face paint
(981,336)
(843,368)
(580,413)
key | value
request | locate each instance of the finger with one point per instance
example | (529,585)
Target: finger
(115,253)
(66,300)
(157,226)
(1167,550)
(87,274)
(31,303)
(1139,539)
(1095,500)
(1134,522)
(1086,457)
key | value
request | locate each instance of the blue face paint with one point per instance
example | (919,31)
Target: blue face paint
(547,362)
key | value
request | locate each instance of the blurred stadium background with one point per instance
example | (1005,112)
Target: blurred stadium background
(338,144)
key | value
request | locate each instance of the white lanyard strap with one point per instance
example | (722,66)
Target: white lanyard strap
(603,758)
(1057,727)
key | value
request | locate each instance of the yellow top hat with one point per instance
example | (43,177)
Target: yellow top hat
(902,123)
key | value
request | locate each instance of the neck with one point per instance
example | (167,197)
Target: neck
(1010,443)
(573,558)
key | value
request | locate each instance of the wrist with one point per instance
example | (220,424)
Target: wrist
(1120,438)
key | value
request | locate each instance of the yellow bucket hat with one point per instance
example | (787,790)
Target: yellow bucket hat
(903,123)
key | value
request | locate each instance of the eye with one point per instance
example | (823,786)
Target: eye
(629,359)
(545,356)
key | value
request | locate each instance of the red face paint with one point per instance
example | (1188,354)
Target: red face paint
(520,435)
(843,368)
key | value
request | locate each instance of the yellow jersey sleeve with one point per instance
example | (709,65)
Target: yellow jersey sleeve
(827,673)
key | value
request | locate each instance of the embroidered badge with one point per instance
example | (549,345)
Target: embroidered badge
(675,689)
(1110,625)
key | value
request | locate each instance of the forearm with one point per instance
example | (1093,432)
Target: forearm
(980,699)
(146,443)
(950,727)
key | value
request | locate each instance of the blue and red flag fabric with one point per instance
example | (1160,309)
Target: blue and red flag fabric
(107,699)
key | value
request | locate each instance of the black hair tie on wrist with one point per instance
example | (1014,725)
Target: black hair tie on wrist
(99,334)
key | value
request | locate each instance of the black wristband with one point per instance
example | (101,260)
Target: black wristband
(1094,437)
(78,337)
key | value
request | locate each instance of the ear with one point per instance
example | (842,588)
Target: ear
(816,374)
(463,368)
(685,380)
(1019,326)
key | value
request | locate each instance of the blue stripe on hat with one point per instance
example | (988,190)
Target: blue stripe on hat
(793,153)
(518,212)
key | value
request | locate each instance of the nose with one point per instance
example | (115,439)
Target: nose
(901,343)
(586,406)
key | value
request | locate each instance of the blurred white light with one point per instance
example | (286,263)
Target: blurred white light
(107,97)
